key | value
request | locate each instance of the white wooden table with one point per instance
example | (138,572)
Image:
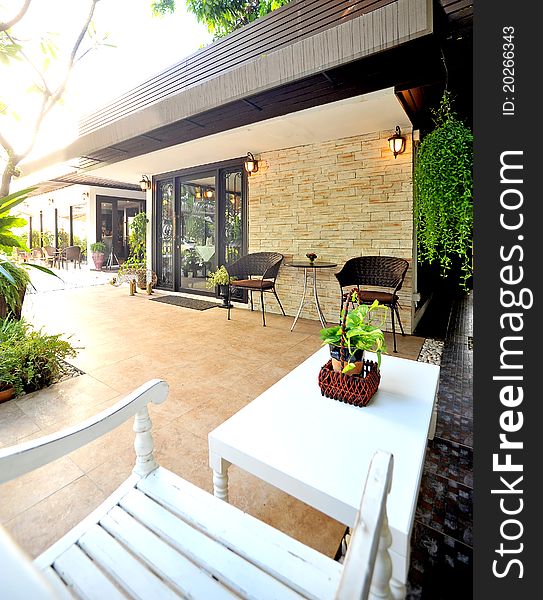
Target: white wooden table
(319,450)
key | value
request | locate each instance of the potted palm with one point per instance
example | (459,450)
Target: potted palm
(98,250)
(359,330)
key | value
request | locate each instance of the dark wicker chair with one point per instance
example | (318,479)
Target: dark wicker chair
(262,265)
(378,271)
(72,253)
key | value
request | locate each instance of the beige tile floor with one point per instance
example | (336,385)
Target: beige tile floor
(213,366)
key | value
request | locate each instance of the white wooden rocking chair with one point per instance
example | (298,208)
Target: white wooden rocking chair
(158,536)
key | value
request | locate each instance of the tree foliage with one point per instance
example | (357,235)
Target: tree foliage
(221,17)
(443,180)
(50,91)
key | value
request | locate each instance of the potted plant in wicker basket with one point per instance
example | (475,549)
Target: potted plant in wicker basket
(356,333)
(349,376)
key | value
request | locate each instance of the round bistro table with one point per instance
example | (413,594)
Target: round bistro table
(308,267)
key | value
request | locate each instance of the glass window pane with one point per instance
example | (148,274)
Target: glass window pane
(233,225)
(197,198)
(165,234)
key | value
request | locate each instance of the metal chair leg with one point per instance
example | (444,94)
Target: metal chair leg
(251,294)
(262,304)
(393,329)
(279,301)
(399,320)
(228,301)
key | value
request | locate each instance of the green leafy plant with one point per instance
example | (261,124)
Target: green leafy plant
(98,247)
(13,282)
(218,277)
(443,183)
(360,332)
(30,359)
(40,240)
(138,232)
(8,239)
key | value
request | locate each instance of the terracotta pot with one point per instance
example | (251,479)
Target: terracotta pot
(6,394)
(339,359)
(98,259)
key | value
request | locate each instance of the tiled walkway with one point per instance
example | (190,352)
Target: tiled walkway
(214,367)
(442,555)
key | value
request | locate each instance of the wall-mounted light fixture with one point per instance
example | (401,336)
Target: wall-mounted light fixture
(397,142)
(251,165)
(209,194)
(145,183)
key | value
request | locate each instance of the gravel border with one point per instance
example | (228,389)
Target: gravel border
(68,371)
(431,351)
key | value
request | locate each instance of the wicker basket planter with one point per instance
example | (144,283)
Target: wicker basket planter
(352,389)
(348,376)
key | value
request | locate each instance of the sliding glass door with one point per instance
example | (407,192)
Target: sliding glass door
(200,224)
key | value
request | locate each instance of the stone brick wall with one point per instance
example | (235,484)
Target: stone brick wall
(339,199)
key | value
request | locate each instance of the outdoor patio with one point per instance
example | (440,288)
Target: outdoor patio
(213,366)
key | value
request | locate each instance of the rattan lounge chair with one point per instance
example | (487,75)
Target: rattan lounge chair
(256,272)
(377,271)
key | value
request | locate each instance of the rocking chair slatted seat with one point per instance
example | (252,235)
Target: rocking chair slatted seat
(159,537)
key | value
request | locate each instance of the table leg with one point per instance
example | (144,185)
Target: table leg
(220,476)
(220,485)
(302,302)
(315,295)
(398,589)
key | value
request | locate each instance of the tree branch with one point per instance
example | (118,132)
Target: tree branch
(7,24)
(52,99)
(32,66)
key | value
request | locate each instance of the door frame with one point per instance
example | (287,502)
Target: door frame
(217,168)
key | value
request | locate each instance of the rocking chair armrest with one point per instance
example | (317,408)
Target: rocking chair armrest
(23,458)
(370,537)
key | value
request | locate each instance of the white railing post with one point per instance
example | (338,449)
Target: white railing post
(382,572)
(143,444)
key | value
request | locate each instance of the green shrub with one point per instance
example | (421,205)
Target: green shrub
(11,287)
(30,359)
(98,247)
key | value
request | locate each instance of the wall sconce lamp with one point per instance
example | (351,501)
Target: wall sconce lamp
(209,194)
(145,183)
(251,165)
(397,142)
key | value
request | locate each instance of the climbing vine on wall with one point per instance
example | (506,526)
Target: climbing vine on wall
(443,181)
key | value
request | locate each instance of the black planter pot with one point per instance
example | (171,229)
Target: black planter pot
(340,356)
(343,354)
(223,293)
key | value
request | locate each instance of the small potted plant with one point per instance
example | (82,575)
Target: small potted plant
(356,333)
(220,279)
(98,250)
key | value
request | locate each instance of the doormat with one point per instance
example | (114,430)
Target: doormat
(186,302)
